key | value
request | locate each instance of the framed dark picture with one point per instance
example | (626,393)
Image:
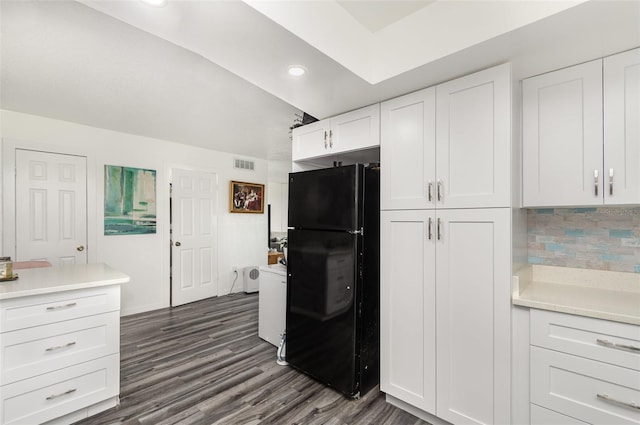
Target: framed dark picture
(246,197)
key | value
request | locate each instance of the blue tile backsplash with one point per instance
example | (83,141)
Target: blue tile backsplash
(605,238)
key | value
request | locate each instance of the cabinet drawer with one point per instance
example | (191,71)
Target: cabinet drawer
(584,389)
(33,351)
(602,340)
(542,416)
(58,393)
(19,313)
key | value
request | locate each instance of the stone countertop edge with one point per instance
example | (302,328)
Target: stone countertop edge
(593,293)
(47,280)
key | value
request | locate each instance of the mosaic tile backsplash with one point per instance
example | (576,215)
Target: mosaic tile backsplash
(604,238)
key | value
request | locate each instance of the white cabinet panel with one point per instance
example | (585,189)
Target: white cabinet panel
(473,140)
(352,131)
(359,129)
(622,128)
(472,315)
(407,311)
(562,137)
(48,396)
(407,146)
(588,390)
(602,340)
(310,141)
(45,348)
(19,313)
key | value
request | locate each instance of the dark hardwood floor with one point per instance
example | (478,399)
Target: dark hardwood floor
(203,364)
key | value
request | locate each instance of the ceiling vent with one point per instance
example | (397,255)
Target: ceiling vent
(244,164)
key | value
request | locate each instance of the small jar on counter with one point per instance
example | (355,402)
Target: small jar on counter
(6,268)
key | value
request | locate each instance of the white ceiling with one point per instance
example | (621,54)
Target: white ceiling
(213,73)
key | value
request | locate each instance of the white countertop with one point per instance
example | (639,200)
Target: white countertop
(45,280)
(275,268)
(593,293)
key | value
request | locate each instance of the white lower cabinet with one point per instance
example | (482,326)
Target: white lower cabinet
(445,317)
(59,355)
(584,368)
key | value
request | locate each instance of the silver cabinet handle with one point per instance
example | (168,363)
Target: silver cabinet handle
(51,397)
(325,139)
(439,190)
(429,232)
(617,346)
(595,181)
(608,399)
(438,229)
(58,307)
(69,344)
(330,138)
(610,181)
(430,191)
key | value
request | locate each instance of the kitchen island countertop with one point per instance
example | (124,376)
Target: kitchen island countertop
(47,280)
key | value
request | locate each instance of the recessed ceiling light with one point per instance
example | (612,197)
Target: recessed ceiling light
(157,3)
(297,70)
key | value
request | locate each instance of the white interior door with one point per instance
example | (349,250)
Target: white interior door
(194,271)
(51,207)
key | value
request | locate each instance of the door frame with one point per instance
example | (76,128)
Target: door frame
(8,209)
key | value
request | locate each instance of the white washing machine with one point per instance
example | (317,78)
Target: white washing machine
(272,303)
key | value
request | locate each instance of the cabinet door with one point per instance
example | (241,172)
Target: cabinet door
(473,315)
(359,129)
(407,307)
(562,137)
(310,141)
(407,151)
(473,140)
(622,128)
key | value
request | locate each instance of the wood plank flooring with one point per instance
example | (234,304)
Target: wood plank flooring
(204,364)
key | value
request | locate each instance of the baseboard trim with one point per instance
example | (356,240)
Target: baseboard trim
(428,417)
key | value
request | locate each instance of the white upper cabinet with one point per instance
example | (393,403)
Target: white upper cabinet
(311,140)
(473,140)
(407,147)
(622,128)
(562,137)
(462,158)
(352,131)
(566,161)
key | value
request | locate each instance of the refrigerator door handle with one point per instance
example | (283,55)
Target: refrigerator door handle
(356,232)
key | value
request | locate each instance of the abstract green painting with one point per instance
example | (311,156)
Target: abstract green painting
(129,200)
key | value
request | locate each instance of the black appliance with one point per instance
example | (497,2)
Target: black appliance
(333,283)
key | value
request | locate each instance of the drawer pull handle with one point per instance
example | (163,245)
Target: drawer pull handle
(70,344)
(51,397)
(617,346)
(608,399)
(58,307)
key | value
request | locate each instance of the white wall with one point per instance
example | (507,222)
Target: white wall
(242,237)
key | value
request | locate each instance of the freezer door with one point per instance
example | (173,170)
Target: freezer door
(326,199)
(321,299)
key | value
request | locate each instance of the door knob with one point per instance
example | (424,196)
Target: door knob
(178,244)
(80,248)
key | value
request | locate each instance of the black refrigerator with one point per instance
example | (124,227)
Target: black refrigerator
(333,283)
